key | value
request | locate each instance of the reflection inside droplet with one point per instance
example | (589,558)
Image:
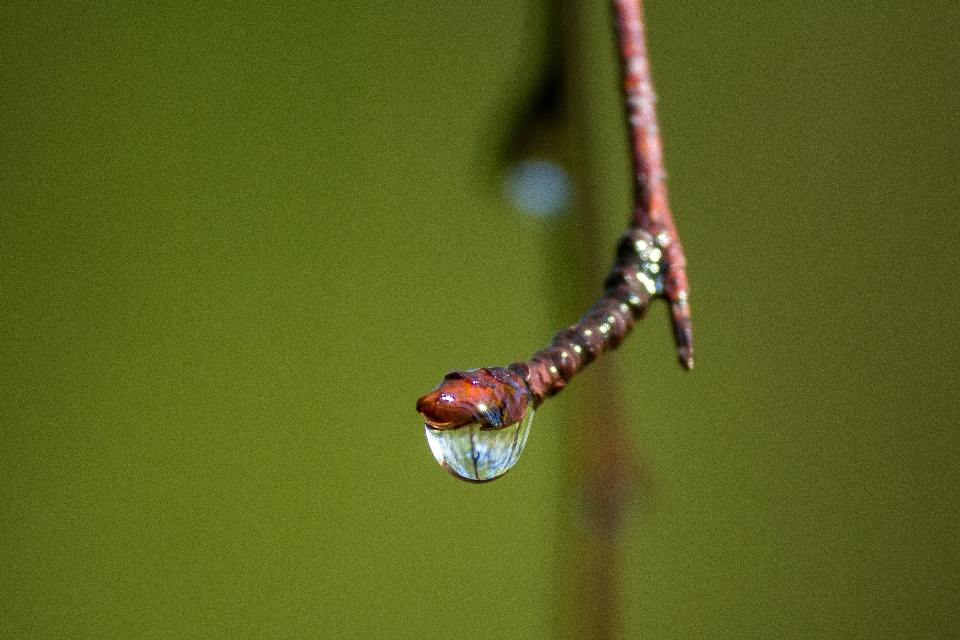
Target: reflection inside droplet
(478,454)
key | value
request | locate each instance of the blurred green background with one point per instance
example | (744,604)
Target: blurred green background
(238,242)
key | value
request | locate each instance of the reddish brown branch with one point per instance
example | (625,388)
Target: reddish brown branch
(649,263)
(651,209)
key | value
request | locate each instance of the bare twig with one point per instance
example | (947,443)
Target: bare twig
(649,263)
(651,211)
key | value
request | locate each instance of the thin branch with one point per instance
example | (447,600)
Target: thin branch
(649,263)
(651,210)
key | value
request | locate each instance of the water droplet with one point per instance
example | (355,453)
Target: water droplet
(538,187)
(476,453)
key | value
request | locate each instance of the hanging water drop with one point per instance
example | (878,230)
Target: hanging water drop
(476,453)
(538,188)
(477,422)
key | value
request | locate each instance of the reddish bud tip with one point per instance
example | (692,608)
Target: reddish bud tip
(495,397)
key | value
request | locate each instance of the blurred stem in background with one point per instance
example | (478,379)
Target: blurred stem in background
(602,465)
(602,469)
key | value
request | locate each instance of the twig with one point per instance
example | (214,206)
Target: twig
(649,263)
(651,210)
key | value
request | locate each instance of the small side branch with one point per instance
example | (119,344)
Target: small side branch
(651,209)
